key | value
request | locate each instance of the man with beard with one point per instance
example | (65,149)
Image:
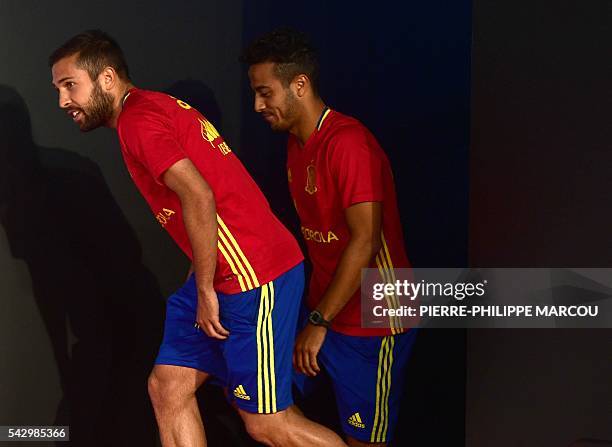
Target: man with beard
(235,317)
(342,187)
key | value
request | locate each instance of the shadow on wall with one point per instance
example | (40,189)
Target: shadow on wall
(200,96)
(100,305)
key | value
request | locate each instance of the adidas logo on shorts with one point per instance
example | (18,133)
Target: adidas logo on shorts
(355,421)
(240,393)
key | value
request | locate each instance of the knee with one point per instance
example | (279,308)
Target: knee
(166,391)
(257,431)
(157,389)
(265,431)
(154,387)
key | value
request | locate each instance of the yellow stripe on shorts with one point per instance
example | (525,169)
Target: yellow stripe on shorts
(383,389)
(266,375)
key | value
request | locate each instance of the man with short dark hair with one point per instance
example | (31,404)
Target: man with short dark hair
(235,317)
(342,187)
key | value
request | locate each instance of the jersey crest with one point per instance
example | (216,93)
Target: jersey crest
(209,133)
(311,179)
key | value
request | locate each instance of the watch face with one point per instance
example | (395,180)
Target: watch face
(314,317)
(317,319)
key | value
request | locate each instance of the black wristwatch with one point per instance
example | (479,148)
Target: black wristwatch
(316,318)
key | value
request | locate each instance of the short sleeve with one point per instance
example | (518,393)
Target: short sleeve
(356,167)
(148,136)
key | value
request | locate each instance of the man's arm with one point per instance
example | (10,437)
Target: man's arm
(364,221)
(200,218)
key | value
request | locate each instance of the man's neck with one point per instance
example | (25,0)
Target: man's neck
(118,103)
(308,121)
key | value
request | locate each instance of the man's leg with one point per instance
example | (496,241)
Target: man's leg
(185,353)
(368,374)
(172,391)
(288,428)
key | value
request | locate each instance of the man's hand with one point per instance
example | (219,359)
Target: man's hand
(307,347)
(208,315)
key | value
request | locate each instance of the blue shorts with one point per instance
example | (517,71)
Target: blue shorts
(255,362)
(368,375)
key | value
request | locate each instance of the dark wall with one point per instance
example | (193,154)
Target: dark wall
(540,197)
(538,387)
(540,156)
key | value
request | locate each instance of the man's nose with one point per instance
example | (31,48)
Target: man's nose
(259,104)
(64,100)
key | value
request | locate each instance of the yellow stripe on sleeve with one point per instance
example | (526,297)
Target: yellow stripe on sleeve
(232,266)
(387,257)
(244,259)
(393,298)
(228,246)
(384,275)
(387,254)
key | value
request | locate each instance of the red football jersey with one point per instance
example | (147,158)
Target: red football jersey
(340,165)
(155,131)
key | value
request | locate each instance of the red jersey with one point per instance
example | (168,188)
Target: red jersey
(340,165)
(155,131)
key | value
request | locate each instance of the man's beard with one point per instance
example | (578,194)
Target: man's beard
(290,111)
(98,110)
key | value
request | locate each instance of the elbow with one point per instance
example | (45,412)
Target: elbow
(207,201)
(370,245)
(202,200)
(208,197)
(204,197)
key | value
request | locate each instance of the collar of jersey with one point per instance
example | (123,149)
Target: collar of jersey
(324,114)
(127,95)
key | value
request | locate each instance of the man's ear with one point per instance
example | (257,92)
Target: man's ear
(301,85)
(108,78)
